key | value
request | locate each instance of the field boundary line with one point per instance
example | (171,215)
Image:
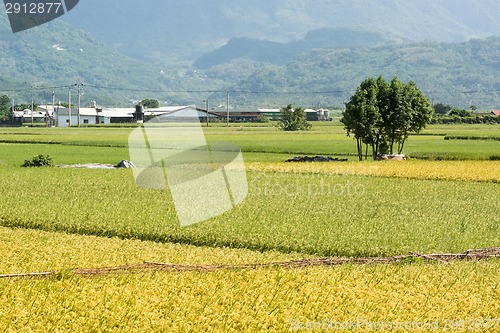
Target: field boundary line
(149,267)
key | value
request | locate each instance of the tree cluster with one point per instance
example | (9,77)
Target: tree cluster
(5,109)
(467,120)
(382,115)
(150,103)
(441,108)
(461,113)
(293,119)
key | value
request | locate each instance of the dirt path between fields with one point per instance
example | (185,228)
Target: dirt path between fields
(148,267)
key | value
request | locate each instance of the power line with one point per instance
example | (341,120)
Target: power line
(297,92)
(36,88)
(155,91)
(254,92)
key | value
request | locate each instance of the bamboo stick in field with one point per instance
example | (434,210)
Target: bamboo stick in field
(42,274)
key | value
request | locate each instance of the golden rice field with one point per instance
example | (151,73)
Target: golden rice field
(263,300)
(488,171)
(255,300)
(60,220)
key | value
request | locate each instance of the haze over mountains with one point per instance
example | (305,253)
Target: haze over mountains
(462,74)
(56,54)
(157,30)
(281,53)
(182,51)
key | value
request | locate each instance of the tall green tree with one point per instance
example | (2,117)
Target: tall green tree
(396,108)
(5,109)
(385,113)
(382,115)
(293,119)
(371,115)
(415,115)
(441,108)
(150,103)
(362,117)
(353,119)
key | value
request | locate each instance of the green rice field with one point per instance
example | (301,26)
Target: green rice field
(443,200)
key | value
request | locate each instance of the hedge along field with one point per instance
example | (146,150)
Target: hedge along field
(317,214)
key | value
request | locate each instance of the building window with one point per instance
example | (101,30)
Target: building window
(67,120)
(85,121)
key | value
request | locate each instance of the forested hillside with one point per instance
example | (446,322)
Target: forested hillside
(281,53)
(56,54)
(185,30)
(460,74)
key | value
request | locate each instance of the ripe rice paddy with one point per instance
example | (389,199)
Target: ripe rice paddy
(61,219)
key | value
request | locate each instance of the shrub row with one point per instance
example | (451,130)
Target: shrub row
(468,137)
(452,157)
(466,120)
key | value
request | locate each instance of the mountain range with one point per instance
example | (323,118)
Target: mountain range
(267,53)
(163,30)
(282,53)
(460,74)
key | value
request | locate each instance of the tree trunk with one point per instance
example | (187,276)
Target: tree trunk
(375,148)
(360,149)
(402,143)
(392,141)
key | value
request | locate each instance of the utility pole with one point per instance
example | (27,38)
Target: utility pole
(207,111)
(32,110)
(53,105)
(227,107)
(13,109)
(78,103)
(69,107)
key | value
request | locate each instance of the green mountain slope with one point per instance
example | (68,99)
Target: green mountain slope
(461,74)
(185,30)
(281,53)
(56,55)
